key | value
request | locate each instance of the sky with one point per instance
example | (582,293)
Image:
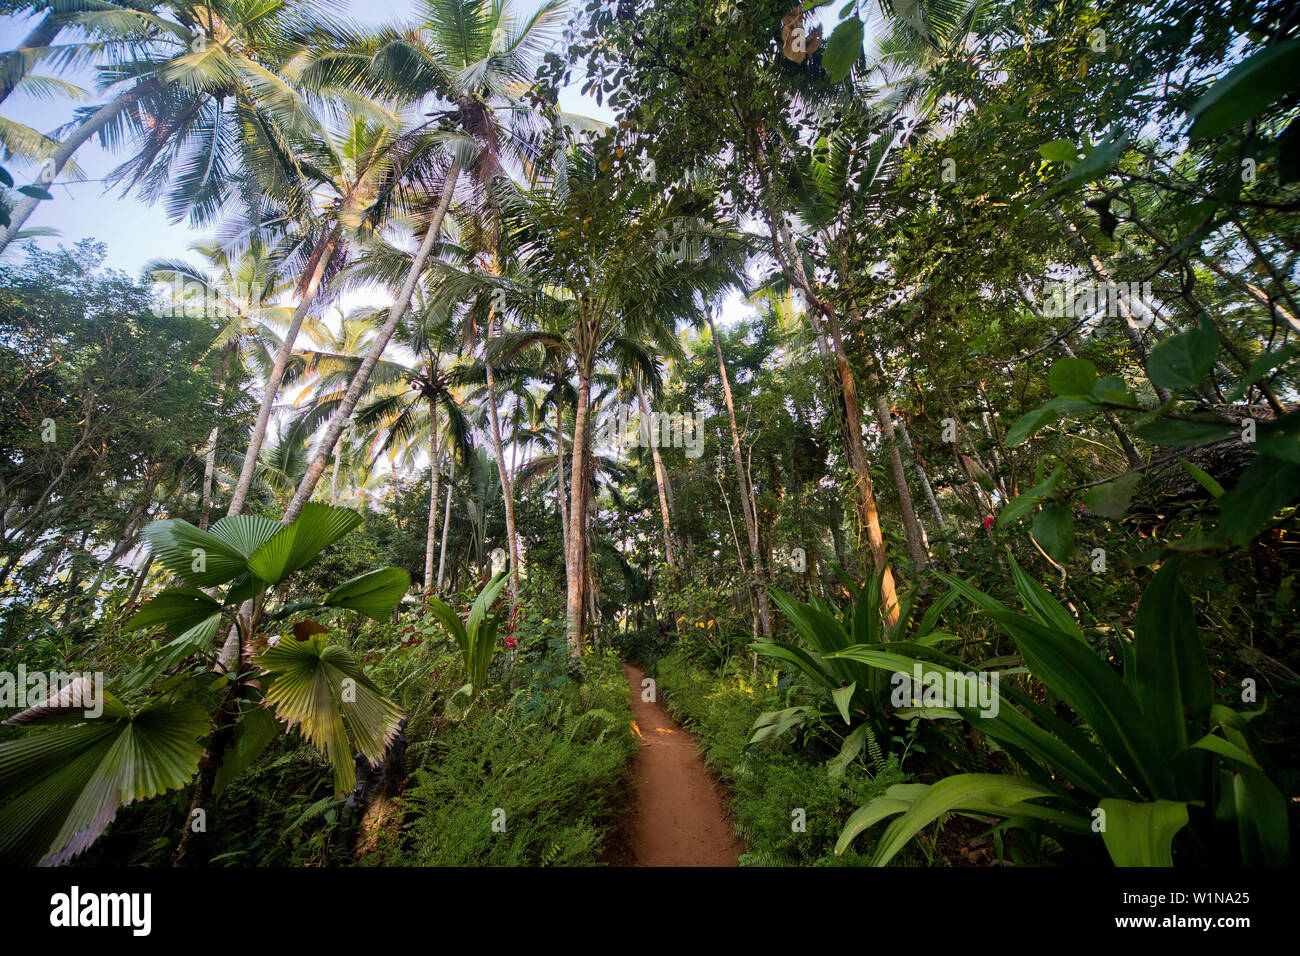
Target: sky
(135,230)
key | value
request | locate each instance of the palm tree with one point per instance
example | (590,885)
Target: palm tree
(606,253)
(187,79)
(240,290)
(474,57)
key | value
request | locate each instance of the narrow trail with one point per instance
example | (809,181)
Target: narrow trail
(679,816)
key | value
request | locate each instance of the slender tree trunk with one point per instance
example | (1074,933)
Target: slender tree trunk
(432,535)
(576,567)
(559,475)
(321,255)
(209,464)
(746,501)
(334,472)
(362,375)
(446,519)
(91,125)
(507,483)
(911,524)
(661,481)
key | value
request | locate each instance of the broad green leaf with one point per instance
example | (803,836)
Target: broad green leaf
(1264,489)
(177,609)
(1028,424)
(1018,507)
(985,794)
(201,558)
(849,750)
(1183,360)
(1072,377)
(59,789)
(1261,367)
(1173,431)
(842,696)
(1060,151)
(245,533)
(374,593)
(297,545)
(1111,499)
(1262,828)
(1054,531)
(1083,680)
(1040,604)
(1173,679)
(1142,834)
(321,688)
(1249,88)
(897,799)
(843,48)
(1097,160)
(1281,438)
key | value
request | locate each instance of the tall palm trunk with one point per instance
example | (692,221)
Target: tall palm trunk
(321,254)
(746,500)
(661,481)
(507,483)
(432,534)
(334,473)
(576,571)
(559,474)
(446,520)
(209,465)
(362,375)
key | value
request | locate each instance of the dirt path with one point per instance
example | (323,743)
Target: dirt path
(679,817)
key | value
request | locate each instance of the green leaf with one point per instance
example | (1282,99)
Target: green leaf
(843,48)
(5,179)
(1022,505)
(297,545)
(1112,499)
(1249,88)
(1183,360)
(177,609)
(1072,377)
(1281,438)
(35,192)
(1172,677)
(245,533)
(1202,478)
(1029,423)
(1040,604)
(986,794)
(374,593)
(1142,834)
(202,559)
(254,733)
(842,696)
(1095,163)
(1083,680)
(1261,367)
(849,750)
(1264,489)
(1174,431)
(59,789)
(1060,151)
(1054,531)
(322,688)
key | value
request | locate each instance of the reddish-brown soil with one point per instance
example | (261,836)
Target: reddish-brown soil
(679,820)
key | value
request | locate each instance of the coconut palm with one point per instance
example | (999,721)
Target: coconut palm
(473,59)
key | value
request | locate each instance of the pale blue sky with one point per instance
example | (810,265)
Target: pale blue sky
(135,230)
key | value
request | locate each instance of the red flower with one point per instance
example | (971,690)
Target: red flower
(510,642)
(988,522)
